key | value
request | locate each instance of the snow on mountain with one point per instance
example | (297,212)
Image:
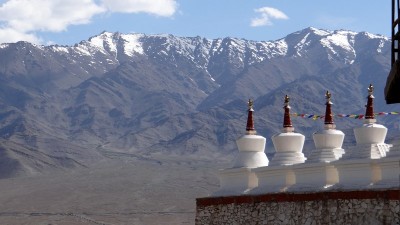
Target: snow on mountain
(162,93)
(4,45)
(199,51)
(132,44)
(319,32)
(105,42)
(57,48)
(344,40)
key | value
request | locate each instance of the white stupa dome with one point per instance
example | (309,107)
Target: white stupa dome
(288,144)
(251,146)
(328,142)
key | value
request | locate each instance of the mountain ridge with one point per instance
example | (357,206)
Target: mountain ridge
(65,106)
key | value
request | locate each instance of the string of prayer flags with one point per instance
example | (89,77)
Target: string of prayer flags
(355,116)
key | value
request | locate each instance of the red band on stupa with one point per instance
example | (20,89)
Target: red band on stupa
(286,117)
(328,109)
(369,112)
(250,121)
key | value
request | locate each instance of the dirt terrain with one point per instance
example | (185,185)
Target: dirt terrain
(116,191)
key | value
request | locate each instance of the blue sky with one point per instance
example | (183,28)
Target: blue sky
(67,22)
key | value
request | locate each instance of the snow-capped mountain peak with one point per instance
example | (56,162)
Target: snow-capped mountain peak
(319,32)
(105,42)
(132,44)
(168,93)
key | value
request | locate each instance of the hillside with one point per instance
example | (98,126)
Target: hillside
(161,95)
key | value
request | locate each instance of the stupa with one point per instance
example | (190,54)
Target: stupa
(371,136)
(288,144)
(317,173)
(240,178)
(328,142)
(358,169)
(358,187)
(251,146)
(279,176)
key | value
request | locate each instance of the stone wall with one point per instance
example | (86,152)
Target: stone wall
(350,207)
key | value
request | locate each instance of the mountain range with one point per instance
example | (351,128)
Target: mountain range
(154,96)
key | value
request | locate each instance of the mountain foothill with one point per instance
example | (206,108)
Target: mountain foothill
(151,95)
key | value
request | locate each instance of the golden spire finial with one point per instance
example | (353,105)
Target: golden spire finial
(328,97)
(370,89)
(287,99)
(250,104)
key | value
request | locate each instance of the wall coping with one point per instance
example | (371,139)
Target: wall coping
(389,194)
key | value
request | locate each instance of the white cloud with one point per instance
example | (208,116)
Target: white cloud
(21,19)
(156,7)
(47,15)
(12,35)
(267,14)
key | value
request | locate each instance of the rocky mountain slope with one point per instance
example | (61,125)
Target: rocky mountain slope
(149,95)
